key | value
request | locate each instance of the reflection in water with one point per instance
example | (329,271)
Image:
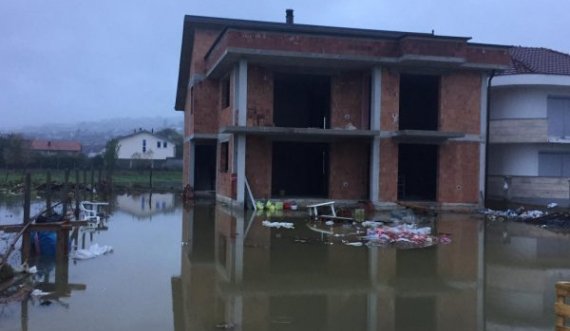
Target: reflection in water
(233,272)
(523,264)
(237,273)
(144,205)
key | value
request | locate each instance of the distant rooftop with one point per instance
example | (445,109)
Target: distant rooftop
(55,145)
(534,60)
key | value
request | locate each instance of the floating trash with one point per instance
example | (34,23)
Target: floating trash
(93,251)
(278,225)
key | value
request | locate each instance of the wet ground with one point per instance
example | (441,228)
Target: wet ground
(205,268)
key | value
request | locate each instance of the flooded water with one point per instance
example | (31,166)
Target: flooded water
(205,268)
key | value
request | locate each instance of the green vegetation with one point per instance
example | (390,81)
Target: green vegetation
(138,179)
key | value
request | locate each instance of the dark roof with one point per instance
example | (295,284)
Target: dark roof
(214,22)
(191,22)
(535,60)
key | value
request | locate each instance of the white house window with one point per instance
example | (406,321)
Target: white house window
(558,117)
(158,144)
(164,144)
(552,164)
(144,146)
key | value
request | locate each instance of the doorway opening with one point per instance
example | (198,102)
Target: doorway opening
(419,102)
(205,167)
(301,101)
(417,172)
(300,170)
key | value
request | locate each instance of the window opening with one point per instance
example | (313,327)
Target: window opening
(419,102)
(225,92)
(302,101)
(224,157)
(417,172)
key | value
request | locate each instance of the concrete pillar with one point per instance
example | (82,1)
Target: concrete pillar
(241,92)
(483,140)
(191,162)
(240,141)
(375,109)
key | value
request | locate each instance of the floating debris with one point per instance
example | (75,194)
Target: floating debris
(225,326)
(39,293)
(278,225)
(407,234)
(556,221)
(353,243)
(92,252)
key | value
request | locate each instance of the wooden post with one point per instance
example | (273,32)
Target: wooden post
(76,193)
(27,203)
(48,193)
(62,261)
(24,315)
(27,197)
(150,177)
(99,177)
(84,195)
(92,182)
(65,198)
(561,308)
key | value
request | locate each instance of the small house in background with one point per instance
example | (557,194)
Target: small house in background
(529,151)
(55,147)
(295,111)
(144,147)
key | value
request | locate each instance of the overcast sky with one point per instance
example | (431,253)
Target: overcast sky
(69,60)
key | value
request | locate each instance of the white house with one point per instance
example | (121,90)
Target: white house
(146,205)
(144,145)
(529,152)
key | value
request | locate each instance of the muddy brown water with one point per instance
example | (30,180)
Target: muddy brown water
(206,268)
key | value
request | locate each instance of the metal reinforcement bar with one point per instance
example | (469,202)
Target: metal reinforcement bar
(250,195)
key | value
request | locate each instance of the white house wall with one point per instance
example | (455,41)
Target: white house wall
(520,159)
(513,160)
(518,102)
(523,102)
(132,147)
(145,205)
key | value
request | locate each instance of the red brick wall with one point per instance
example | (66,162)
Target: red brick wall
(203,40)
(481,54)
(203,102)
(389,122)
(348,177)
(320,44)
(388,170)
(259,96)
(188,114)
(458,177)
(302,43)
(258,161)
(347,100)
(185,163)
(205,106)
(224,179)
(425,46)
(390,100)
(226,115)
(460,102)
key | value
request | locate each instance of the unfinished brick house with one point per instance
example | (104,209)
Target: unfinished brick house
(285,110)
